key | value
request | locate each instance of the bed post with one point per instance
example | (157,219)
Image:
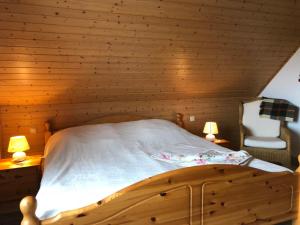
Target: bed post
(48,131)
(179,120)
(28,207)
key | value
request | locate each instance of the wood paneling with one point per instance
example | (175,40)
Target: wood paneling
(73,60)
(20,119)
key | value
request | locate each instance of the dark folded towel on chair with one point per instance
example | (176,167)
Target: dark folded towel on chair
(278,109)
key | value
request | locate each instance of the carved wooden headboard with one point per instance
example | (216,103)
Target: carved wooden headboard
(116,118)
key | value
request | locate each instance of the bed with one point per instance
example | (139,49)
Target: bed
(104,172)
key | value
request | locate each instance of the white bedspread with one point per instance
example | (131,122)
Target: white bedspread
(85,164)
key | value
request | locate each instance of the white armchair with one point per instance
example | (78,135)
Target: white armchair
(263,138)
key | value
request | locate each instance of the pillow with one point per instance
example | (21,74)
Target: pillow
(154,133)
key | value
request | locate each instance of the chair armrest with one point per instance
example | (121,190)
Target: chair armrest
(285,135)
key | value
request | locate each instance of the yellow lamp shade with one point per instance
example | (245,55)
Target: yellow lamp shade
(210,128)
(18,144)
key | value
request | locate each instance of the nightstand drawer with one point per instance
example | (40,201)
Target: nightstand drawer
(17,183)
(17,175)
(13,192)
(9,206)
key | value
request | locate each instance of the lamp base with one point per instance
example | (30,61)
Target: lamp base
(210,137)
(19,156)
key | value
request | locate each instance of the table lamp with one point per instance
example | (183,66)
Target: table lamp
(18,145)
(210,129)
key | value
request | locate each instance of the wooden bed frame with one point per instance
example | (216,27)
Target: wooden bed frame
(202,195)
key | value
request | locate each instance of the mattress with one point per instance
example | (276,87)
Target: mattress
(88,163)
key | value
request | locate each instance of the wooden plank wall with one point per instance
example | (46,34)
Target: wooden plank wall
(73,60)
(19,119)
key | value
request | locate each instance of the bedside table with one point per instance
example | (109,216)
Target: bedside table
(222,142)
(17,180)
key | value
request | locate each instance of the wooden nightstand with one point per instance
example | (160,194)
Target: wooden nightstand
(17,181)
(223,142)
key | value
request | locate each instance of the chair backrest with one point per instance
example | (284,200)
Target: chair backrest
(260,127)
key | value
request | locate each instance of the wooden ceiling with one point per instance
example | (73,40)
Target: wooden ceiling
(72,51)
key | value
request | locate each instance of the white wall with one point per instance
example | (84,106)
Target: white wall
(285,85)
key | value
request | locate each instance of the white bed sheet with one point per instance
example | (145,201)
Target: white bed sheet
(88,163)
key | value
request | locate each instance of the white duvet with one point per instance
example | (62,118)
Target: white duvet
(86,164)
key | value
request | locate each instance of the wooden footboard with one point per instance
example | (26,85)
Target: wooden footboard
(206,195)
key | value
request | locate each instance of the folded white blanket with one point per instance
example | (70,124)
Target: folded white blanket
(204,158)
